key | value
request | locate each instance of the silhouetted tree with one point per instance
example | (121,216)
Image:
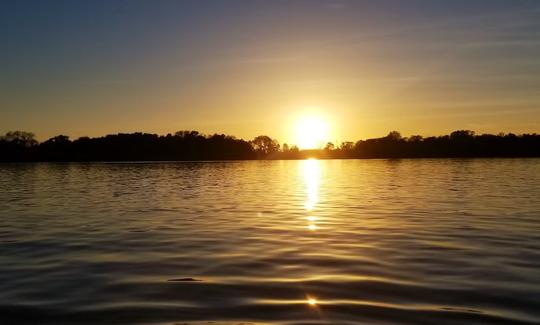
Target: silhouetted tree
(415,138)
(461,135)
(264,145)
(192,145)
(346,145)
(329,146)
(23,138)
(55,149)
(394,136)
(17,146)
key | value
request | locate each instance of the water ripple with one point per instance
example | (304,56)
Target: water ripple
(271,242)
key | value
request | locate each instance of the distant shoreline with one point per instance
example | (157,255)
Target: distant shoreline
(119,162)
(193,146)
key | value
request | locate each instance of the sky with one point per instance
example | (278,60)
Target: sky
(245,68)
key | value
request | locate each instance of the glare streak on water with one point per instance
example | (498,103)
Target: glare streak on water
(447,241)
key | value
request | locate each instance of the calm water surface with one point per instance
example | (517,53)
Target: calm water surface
(271,242)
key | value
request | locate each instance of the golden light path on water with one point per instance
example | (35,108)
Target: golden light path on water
(312,178)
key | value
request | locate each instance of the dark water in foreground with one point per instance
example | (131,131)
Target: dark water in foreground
(363,241)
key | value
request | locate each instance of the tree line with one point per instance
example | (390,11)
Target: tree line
(20,146)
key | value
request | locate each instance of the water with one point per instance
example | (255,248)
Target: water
(271,242)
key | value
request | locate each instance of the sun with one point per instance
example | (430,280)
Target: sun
(311,132)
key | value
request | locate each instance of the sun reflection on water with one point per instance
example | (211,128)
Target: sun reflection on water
(312,178)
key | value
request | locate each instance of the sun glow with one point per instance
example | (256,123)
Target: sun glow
(311,132)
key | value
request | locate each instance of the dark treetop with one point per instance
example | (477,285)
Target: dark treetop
(18,146)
